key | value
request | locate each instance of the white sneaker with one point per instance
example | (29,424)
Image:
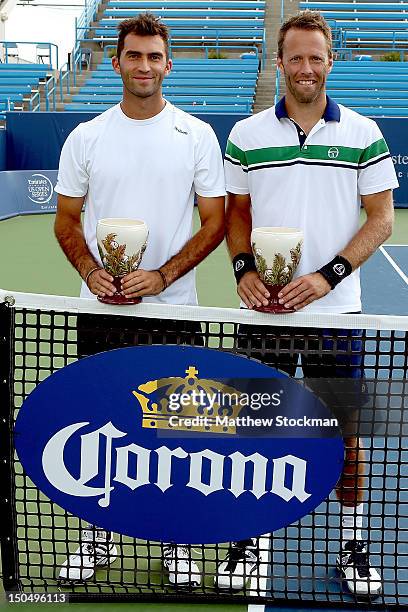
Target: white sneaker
(97,549)
(182,570)
(241,562)
(354,566)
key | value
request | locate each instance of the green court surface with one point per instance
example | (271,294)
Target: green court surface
(33,262)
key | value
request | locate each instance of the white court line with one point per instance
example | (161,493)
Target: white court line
(394,265)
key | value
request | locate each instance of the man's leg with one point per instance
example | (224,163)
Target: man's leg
(95,334)
(97,547)
(273,346)
(342,388)
(353,560)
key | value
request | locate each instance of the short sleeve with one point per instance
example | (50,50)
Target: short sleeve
(236,169)
(376,170)
(209,180)
(73,177)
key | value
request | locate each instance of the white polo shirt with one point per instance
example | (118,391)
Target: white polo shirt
(314,183)
(144,169)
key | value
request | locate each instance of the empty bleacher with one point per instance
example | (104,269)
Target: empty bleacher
(371,88)
(216,21)
(368,23)
(195,85)
(20,84)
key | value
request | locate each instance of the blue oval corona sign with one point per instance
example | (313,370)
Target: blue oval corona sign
(135,440)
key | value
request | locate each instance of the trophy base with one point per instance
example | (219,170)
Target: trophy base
(274,307)
(117,299)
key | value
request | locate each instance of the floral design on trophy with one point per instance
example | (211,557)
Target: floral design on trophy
(115,261)
(277,252)
(121,244)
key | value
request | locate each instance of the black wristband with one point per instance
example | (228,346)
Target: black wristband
(336,270)
(243,263)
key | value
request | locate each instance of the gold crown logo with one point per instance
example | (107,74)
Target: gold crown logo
(196,411)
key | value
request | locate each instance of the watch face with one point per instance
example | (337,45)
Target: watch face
(239,265)
(339,269)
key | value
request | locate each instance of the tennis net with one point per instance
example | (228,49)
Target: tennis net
(42,334)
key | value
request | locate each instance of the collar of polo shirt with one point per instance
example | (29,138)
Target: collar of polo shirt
(331,112)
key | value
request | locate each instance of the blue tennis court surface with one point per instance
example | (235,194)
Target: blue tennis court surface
(399,253)
(384,279)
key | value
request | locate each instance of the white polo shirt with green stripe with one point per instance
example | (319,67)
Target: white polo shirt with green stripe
(311,182)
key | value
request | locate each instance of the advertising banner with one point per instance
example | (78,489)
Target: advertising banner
(27,192)
(395,131)
(126,438)
(27,148)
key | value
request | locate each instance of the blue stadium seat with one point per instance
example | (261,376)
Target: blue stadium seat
(168,12)
(358,7)
(382,112)
(6,86)
(209,90)
(41,68)
(13,80)
(13,98)
(191,23)
(369,94)
(355,83)
(369,102)
(187,4)
(241,109)
(370,87)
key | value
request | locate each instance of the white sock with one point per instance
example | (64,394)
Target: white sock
(351,522)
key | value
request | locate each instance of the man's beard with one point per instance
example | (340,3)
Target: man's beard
(139,93)
(304,98)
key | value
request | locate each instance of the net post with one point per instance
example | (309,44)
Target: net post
(8,524)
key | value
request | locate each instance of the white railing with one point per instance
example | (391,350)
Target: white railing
(82,24)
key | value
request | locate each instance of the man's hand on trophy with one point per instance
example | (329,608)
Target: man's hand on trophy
(100,282)
(303,290)
(142,282)
(252,291)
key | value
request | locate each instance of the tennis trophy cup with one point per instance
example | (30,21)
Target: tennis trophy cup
(121,244)
(277,252)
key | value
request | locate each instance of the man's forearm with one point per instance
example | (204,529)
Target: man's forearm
(238,223)
(369,237)
(72,242)
(194,251)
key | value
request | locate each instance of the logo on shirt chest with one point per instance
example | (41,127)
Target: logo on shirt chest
(333,153)
(180,131)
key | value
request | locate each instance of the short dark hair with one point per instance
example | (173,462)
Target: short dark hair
(145,24)
(306,20)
